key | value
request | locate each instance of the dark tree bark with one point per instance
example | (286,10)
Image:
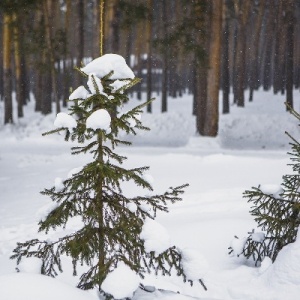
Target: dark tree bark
(149,54)
(7,78)
(242,11)
(290,6)
(213,78)
(165,71)
(49,40)
(18,84)
(279,51)
(254,58)
(268,45)
(225,60)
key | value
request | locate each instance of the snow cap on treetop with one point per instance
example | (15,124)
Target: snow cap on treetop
(103,65)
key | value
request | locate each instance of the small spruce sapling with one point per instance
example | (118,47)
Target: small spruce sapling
(112,222)
(276,212)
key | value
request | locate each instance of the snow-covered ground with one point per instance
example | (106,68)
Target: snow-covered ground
(250,150)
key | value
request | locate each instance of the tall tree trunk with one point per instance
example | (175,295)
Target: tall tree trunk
(16,38)
(46,9)
(290,6)
(164,97)
(225,60)
(66,76)
(213,79)
(201,70)
(242,12)
(8,106)
(268,46)
(149,54)
(254,74)
(279,51)
(79,53)
(1,55)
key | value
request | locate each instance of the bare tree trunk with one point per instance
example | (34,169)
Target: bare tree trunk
(8,106)
(213,79)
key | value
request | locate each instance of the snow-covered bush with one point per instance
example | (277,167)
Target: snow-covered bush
(119,237)
(276,210)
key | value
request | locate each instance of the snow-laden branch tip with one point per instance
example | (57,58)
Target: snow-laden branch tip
(80,93)
(64,120)
(100,119)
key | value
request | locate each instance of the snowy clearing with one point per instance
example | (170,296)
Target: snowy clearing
(250,150)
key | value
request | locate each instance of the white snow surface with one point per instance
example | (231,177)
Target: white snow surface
(122,282)
(99,119)
(103,65)
(250,150)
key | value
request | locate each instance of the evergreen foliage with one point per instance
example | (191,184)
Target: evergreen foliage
(276,214)
(111,229)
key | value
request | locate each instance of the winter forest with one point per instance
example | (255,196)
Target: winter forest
(149,149)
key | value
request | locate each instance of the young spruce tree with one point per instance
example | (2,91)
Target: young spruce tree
(112,222)
(276,212)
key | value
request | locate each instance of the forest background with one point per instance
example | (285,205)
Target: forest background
(175,46)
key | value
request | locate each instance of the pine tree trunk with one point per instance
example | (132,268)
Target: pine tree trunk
(254,57)
(225,63)
(149,54)
(268,45)
(213,79)
(79,52)
(242,11)
(19,96)
(46,9)
(8,105)
(278,49)
(66,77)
(290,51)
(1,55)
(165,77)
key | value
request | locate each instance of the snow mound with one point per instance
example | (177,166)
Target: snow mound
(30,265)
(194,264)
(121,283)
(103,65)
(286,266)
(156,237)
(23,286)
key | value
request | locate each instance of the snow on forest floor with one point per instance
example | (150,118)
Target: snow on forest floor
(250,150)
